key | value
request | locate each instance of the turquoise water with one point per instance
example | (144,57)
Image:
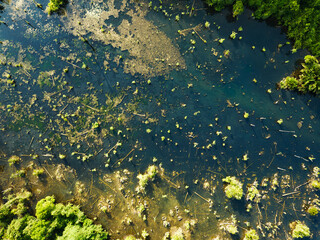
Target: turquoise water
(189,117)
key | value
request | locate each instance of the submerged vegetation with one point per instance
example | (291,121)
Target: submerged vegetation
(144,179)
(234,188)
(299,230)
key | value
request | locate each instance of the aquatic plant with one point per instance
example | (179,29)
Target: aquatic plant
(144,234)
(299,230)
(37,172)
(315,184)
(251,235)
(253,193)
(221,40)
(229,225)
(233,35)
(19,173)
(177,235)
(130,237)
(206,24)
(234,188)
(144,179)
(14,160)
(313,210)
(55,5)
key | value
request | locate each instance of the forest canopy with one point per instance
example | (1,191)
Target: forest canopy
(51,221)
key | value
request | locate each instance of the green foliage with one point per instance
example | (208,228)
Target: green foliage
(251,235)
(15,229)
(237,8)
(300,230)
(178,235)
(144,179)
(55,5)
(131,237)
(313,210)
(253,193)
(234,188)
(308,79)
(315,184)
(52,221)
(218,5)
(86,231)
(14,160)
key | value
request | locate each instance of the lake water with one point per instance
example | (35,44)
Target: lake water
(106,88)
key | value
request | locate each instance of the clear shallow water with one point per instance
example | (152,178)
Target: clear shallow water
(185,107)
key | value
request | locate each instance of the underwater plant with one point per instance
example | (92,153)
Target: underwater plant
(229,225)
(14,160)
(253,193)
(234,188)
(144,179)
(177,235)
(313,210)
(315,184)
(299,230)
(251,235)
(130,237)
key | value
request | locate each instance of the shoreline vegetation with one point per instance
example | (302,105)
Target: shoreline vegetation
(55,5)
(50,221)
(301,20)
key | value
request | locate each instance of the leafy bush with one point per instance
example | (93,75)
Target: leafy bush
(51,221)
(308,79)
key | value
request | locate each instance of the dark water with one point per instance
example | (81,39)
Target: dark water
(196,114)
